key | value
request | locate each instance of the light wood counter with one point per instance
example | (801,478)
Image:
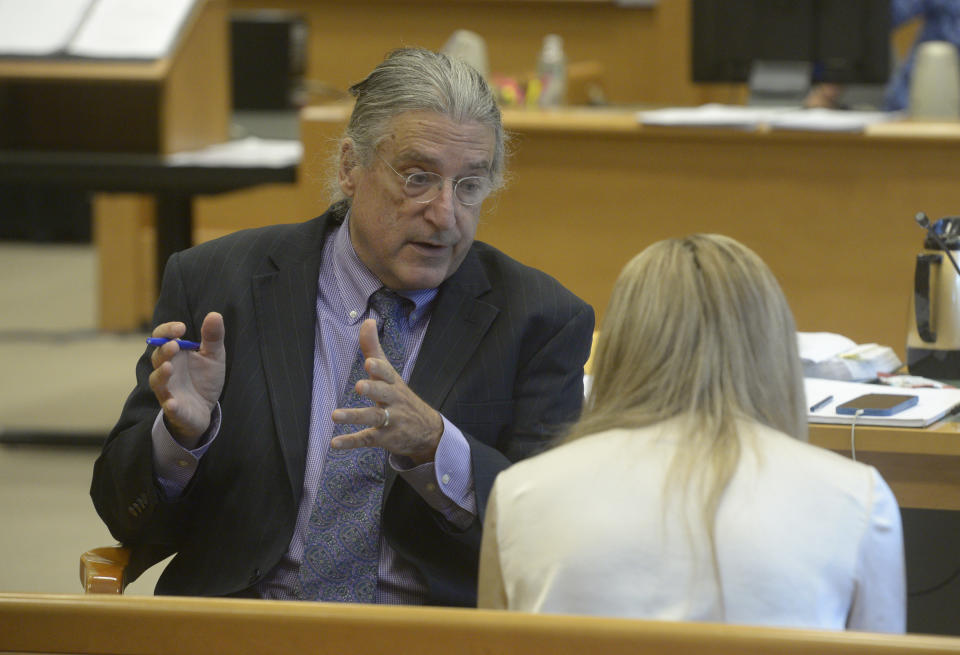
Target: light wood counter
(922,466)
(130,625)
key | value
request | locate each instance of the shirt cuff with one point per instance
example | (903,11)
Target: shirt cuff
(173,464)
(446,483)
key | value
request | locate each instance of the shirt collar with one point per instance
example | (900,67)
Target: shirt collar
(356,283)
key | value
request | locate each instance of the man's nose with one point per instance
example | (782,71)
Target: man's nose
(440,210)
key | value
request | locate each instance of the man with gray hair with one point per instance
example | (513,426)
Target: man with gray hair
(360,378)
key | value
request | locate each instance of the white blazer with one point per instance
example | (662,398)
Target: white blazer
(805,537)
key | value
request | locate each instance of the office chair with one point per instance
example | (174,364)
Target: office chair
(109,569)
(102,570)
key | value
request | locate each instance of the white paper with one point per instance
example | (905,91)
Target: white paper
(32,28)
(131,29)
(821,346)
(244,153)
(711,115)
(933,404)
(777,118)
(836,357)
(830,120)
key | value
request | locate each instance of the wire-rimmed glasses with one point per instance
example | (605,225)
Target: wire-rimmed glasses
(424,186)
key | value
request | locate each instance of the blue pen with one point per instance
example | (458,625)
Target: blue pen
(183,343)
(821,404)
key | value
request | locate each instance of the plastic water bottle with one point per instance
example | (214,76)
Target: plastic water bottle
(552,72)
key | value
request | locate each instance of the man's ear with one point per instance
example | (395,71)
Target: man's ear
(346,173)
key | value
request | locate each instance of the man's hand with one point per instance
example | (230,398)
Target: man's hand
(188,384)
(413,428)
(824,95)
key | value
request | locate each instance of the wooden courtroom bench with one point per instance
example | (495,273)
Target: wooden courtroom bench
(37,623)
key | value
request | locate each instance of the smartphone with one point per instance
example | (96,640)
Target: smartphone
(878,404)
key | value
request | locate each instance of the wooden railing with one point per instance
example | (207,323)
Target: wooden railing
(36,623)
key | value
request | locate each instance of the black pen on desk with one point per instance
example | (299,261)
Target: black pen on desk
(183,343)
(820,404)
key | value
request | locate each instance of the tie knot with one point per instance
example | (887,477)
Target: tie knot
(389,304)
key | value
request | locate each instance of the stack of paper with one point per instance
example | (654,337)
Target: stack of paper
(933,404)
(836,357)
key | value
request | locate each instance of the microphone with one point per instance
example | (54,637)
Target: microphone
(924,222)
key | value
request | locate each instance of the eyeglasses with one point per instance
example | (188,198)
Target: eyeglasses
(424,187)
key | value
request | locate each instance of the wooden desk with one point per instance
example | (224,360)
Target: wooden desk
(922,466)
(173,186)
(832,214)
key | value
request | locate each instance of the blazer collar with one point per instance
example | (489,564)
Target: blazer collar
(459,321)
(285,300)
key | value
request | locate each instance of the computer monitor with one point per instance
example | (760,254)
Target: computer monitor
(782,46)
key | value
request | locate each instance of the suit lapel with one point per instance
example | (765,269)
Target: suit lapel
(457,325)
(285,301)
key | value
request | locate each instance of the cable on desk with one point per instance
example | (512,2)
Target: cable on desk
(853,443)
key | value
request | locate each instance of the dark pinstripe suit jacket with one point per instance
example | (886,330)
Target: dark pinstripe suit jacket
(502,359)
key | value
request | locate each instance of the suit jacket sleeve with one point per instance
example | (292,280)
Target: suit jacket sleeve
(547,398)
(124,488)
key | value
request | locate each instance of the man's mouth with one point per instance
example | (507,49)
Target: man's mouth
(429,246)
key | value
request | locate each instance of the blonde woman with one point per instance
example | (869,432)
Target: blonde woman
(687,491)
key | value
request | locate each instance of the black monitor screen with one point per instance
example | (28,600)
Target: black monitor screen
(845,41)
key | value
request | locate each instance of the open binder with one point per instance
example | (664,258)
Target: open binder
(102,29)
